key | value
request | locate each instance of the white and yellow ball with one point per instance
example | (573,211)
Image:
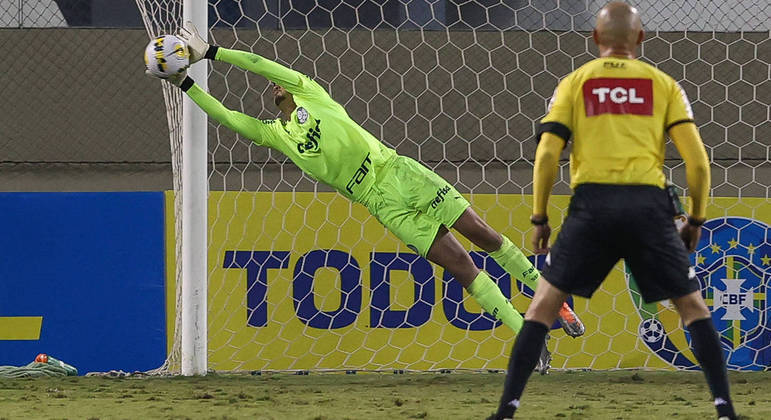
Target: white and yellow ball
(166,56)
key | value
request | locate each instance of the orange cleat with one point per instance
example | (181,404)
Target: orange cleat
(570,322)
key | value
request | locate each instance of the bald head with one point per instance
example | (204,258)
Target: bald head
(618,29)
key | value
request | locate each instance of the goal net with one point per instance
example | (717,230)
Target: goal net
(301,279)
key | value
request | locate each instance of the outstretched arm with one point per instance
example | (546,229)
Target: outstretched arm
(252,128)
(293,81)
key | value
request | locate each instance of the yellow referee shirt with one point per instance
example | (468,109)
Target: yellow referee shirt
(617,110)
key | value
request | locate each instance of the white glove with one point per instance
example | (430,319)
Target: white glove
(195,44)
(175,80)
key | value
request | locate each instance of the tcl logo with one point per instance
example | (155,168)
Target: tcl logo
(618,96)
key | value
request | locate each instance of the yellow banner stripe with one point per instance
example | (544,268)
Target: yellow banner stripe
(729,268)
(20,327)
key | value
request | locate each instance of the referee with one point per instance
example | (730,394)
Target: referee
(617,111)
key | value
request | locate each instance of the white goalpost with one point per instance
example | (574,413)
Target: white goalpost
(188,138)
(195,192)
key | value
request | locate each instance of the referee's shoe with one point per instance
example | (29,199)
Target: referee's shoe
(544,360)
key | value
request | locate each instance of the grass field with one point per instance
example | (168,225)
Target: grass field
(576,395)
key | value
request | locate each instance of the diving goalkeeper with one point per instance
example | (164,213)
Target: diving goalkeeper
(412,202)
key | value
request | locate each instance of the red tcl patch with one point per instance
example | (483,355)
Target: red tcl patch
(618,96)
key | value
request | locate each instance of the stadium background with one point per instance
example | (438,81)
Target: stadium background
(83,118)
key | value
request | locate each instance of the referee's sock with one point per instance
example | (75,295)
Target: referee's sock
(706,348)
(516,263)
(524,357)
(484,290)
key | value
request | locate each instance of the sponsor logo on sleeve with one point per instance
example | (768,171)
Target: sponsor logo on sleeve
(551,101)
(686,102)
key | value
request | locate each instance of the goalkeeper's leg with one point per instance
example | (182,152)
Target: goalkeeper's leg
(450,254)
(394,206)
(511,259)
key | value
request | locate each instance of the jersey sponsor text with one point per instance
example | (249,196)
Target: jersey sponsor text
(359,175)
(439,196)
(618,96)
(313,135)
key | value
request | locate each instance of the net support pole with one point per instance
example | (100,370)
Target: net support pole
(194,205)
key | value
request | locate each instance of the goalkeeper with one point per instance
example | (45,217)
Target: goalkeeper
(415,204)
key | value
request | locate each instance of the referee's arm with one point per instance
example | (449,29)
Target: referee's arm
(686,138)
(544,173)
(552,136)
(545,169)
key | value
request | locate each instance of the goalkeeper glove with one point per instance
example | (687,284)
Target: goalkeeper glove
(175,79)
(195,43)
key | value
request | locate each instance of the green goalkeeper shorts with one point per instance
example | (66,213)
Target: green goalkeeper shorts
(413,202)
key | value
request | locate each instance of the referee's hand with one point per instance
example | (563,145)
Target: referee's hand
(690,235)
(541,235)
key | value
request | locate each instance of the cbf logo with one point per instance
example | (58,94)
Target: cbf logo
(733,265)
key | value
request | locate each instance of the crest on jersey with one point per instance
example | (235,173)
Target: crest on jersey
(733,265)
(302,115)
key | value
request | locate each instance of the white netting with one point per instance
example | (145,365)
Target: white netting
(163,17)
(301,279)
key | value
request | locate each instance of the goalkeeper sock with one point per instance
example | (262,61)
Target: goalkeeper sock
(516,263)
(706,348)
(524,357)
(491,299)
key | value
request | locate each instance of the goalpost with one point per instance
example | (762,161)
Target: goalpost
(299,279)
(195,191)
(189,151)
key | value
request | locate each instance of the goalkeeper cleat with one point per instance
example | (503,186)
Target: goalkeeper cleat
(570,322)
(544,360)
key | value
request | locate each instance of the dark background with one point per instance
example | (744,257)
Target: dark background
(458,90)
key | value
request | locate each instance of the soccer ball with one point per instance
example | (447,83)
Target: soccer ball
(651,330)
(166,56)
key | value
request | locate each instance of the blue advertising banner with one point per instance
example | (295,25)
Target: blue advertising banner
(82,279)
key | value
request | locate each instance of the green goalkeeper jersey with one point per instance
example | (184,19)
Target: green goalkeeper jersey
(320,137)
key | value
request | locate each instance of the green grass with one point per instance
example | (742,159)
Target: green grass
(559,395)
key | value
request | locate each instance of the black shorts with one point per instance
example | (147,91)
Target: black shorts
(608,222)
